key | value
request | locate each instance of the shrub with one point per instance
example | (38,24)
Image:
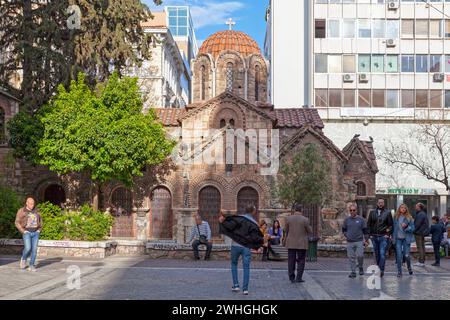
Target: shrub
(10,202)
(83,225)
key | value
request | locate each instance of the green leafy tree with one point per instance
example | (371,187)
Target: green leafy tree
(102,132)
(304,178)
(10,202)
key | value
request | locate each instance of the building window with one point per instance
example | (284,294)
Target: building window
(447,63)
(223,123)
(349,99)
(229,78)
(435,63)
(447,98)
(335,63)
(361,189)
(435,29)
(392,29)
(436,99)
(378,98)
(422,28)
(392,63)
(408,98)
(364,98)
(203,83)
(377,63)
(364,30)
(320,29)
(392,98)
(334,29)
(321,98)
(407,28)
(421,98)
(421,63)
(379,28)
(349,63)
(364,63)
(257,80)
(349,28)
(321,63)
(447,28)
(2,126)
(335,98)
(407,63)
(232,123)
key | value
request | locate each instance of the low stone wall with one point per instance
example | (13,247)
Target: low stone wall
(56,248)
(130,247)
(173,250)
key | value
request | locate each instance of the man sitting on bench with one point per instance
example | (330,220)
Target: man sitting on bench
(201,232)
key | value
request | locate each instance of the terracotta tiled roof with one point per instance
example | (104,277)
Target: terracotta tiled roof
(158,21)
(169,116)
(298,117)
(229,40)
(366,148)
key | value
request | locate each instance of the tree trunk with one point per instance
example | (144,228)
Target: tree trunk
(96,201)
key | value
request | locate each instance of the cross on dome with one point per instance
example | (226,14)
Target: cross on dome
(230,23)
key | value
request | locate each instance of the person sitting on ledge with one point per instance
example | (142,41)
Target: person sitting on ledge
(201,232)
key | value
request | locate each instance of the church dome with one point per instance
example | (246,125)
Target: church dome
(229,40)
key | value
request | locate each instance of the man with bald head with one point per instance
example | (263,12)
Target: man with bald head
(29,223)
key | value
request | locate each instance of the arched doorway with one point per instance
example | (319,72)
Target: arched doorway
(121,209)
(209,206)
(247,196)
(161,213)
(55,194)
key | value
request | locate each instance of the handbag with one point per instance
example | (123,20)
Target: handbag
(201,238)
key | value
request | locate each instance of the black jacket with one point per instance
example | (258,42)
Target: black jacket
(421,224)
(382,225)
(243,231)
(437,232)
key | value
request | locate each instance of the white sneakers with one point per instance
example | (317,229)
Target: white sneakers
(419,264)
(22,264)
(32,269)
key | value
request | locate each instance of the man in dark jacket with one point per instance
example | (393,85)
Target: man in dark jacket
(421,230)
(437,230)
(244,232)
(380,224)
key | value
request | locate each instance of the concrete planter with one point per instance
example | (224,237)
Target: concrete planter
(63,248)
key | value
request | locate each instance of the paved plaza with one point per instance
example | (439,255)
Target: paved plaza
(145,278)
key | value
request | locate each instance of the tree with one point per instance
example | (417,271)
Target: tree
(102,132)
(427,152)
(304,178)
(38,43)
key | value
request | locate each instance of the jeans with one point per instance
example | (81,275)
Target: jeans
(355,254)
(379,248)
(436,249)
(30,246)
(420,243)
(296,256)
(195,246)
(236,252)
(402,251)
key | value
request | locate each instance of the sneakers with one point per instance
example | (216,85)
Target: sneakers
(245,292)
(436,264)
(399,275)
(419,264)
(352,275)
(32,269)
(235,289)
(410,272)
(381,274)
(361,271)
(299,280)
(22,264)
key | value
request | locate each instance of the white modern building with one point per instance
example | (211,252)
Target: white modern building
(372,67)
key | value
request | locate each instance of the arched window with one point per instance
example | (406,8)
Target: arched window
(232,123)
(229,78)
(257,82)
(2,126)
(55,194)
(361,189)
(203,82)
(222,123)
(247,196)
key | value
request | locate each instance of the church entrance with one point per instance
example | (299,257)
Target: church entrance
(161,213)
(55,194)
(121,210)
(209,205)
(247,196)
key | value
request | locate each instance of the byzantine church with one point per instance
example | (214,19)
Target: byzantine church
(229,91)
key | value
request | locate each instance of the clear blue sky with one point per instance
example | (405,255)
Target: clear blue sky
(210,15)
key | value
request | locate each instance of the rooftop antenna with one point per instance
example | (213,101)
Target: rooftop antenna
(230,23)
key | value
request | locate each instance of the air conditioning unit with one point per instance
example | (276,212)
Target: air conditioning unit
(438,77)
(393,5)
(348,77)
(391,43)
(363,77)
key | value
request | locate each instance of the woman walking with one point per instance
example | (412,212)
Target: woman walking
(403,237)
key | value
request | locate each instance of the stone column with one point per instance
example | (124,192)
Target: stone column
(142,218)
(185,220)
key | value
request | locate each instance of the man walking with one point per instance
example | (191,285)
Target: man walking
(356,232)
(296,241)
(201,232)
(380,224)
(245,233)
(421,230)
(29,223)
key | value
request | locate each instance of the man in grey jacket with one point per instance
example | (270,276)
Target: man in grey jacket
(356,232)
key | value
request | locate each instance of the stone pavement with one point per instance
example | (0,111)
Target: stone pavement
(144,278)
